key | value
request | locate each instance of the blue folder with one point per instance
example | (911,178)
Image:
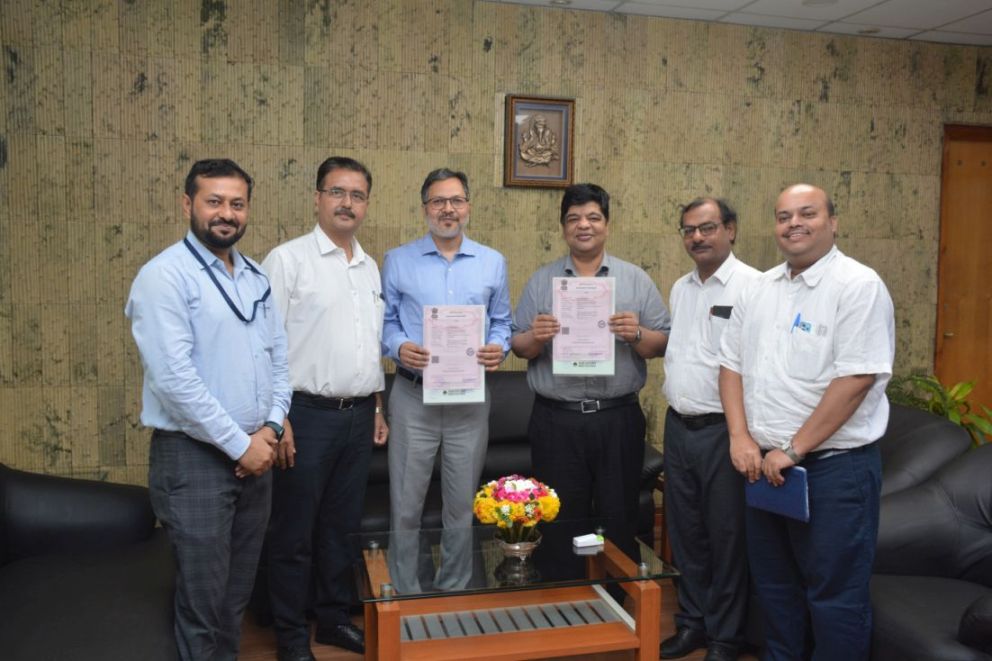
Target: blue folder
(791,499)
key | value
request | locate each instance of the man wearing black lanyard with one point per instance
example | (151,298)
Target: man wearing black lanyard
(216,392)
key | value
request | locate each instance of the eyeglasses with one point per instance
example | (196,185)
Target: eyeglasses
(706,229)
(357,196)
(437,203)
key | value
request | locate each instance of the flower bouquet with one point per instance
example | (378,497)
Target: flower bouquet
(516,504)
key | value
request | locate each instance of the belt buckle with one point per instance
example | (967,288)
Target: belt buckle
(350,404)
(593,405)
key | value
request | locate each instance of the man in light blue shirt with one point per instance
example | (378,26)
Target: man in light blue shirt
(444,267)
(216,392)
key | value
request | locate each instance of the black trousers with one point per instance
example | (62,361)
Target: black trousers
(704,512)
(593,461)
(315,505)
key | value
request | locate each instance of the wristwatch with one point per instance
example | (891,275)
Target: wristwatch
(276,427)
(637,338)
(791,453)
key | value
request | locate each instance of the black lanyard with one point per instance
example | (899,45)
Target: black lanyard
(230,303)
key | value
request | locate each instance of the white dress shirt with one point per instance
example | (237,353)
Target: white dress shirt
(333,314)
(790,337)
(692,360)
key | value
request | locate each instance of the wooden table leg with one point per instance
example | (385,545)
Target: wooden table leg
(387,631)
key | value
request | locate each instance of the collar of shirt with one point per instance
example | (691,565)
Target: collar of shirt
(722,274)
(604,266)
(213,260)
(814,273)
(325,246)
(426,246)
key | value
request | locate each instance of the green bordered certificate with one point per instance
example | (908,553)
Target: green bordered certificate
(583,306)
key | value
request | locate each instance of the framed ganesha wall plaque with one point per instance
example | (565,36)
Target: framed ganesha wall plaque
(538,142)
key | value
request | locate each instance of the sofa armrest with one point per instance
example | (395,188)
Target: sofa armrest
(653,465)
(975,629)
(41,514)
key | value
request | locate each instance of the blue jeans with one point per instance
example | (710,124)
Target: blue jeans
(824,565)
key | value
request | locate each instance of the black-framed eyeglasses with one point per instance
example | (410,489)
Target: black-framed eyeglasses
(706,229)
(437,203)
(357,196)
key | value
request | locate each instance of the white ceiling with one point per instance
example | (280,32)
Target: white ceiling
(946,21)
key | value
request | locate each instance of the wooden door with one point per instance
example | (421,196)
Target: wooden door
(964,281)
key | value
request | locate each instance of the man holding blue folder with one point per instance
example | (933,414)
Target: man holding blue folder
(804,364)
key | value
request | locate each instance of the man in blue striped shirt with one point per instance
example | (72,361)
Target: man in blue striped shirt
(216,392)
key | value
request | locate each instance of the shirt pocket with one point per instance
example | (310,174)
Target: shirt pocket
(715,328)
(809,356)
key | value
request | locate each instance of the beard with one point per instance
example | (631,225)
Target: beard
(441,232)
(201,230)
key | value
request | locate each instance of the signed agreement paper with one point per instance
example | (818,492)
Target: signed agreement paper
(453,335)
(583,307)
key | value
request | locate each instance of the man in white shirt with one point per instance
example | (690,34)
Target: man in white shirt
(704,495)
(804,364)
(330,296)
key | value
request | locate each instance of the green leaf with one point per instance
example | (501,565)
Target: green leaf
(961,390)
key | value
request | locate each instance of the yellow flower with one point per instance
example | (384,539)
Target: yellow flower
(485,510)
(549,507)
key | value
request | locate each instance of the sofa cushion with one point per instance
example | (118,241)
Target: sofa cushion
(45,513)
(113,604)
(915,445)
(975,629)
(917,617)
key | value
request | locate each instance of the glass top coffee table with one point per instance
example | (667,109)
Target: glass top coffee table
(452,594)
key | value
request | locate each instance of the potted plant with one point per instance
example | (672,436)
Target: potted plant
(925,392)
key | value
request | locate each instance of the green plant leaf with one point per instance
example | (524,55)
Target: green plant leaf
(961,390)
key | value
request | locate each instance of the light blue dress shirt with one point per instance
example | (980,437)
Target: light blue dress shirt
(207,373)
(417,274)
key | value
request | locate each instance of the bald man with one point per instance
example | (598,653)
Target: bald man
(804,364)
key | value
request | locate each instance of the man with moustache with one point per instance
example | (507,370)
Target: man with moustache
(804,364)
(328,291)
(704,495)
(587,432)
(444,267)
(216,393)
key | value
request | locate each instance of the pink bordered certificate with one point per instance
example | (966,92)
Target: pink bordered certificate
(583,307)
(453,335)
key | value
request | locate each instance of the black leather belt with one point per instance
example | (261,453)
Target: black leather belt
(407,374)
(589,405)
(697,422)
(330,403)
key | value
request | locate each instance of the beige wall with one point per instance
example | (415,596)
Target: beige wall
(103,106)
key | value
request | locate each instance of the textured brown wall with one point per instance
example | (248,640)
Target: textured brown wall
(104,105)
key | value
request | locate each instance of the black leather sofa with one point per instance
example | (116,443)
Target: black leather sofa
(84,574)
(508,453)
(932,586)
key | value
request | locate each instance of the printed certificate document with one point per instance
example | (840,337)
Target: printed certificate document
(452,335)
(583,307)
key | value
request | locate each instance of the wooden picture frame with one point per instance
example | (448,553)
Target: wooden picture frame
(539,142)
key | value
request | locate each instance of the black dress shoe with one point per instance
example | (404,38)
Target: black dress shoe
(347,636)
(684,641)
(301,653)
(721,652)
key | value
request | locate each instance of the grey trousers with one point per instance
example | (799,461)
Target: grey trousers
(417,432)
(216,525)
